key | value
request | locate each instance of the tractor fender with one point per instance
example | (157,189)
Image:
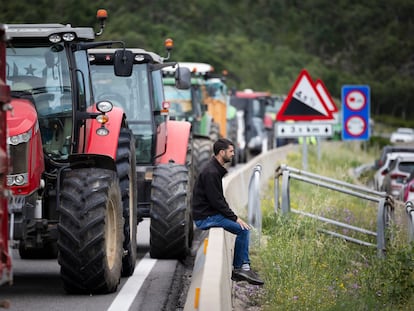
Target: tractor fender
(178,135)
(106,145)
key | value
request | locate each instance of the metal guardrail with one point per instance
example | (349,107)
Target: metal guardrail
(409,208)
(254,212)
(385,210)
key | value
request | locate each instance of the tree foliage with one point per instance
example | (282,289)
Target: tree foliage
(263,43)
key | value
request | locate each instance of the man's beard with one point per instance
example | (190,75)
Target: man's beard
(226,159)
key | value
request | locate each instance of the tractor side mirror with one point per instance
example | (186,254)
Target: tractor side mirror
(123,63)
(182,78)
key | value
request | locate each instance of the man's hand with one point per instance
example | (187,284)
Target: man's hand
(242,224)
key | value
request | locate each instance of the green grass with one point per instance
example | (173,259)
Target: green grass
(305,269)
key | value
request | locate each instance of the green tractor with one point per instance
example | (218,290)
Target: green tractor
(204,105)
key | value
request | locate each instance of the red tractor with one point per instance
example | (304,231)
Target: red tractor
(73,182)
(163,146)
(5,258)
(253,129)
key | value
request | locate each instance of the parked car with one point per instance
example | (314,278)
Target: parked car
(407,191)
(397,174)
(402,135)
(382,170)
(388,149)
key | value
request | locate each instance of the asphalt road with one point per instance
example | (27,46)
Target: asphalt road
(155,285)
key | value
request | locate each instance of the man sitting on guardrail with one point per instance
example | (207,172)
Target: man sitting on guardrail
(210,209)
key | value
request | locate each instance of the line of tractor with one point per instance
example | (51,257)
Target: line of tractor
(96,136)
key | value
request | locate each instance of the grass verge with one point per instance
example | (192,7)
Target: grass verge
(305,269)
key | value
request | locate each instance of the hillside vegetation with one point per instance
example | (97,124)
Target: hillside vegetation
(263,44)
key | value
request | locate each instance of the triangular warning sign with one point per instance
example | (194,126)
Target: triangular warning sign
(323,92)
(303,102)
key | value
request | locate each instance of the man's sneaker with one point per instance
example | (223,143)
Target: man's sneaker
(246,275)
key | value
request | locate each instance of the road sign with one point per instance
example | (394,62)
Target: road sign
(323,91)
(355,112)
(303,129)
(303,102)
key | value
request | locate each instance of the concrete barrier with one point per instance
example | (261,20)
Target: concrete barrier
(211,286)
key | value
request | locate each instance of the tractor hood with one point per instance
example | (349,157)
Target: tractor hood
(21,118)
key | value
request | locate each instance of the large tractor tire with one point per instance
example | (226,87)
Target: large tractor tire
(190,185)
(202,152)
(90,231)
(126,169)
(214,131)
(170,212)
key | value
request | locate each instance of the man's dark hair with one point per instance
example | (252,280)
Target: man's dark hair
(221,144)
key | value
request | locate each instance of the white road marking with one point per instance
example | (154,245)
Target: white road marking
(129,291)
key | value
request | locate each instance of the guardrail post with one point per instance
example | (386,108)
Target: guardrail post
(285,192)
(381,219)
(254,217)
(276,187)
(409,208)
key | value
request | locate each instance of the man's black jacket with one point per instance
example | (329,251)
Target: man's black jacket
(208,197)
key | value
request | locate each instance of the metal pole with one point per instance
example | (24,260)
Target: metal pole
(304,154)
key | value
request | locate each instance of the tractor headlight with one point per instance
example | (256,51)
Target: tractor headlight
(21,138)
(102,131)
(139,58)
(69,36)
(104,106)
(55,38)
(17,180)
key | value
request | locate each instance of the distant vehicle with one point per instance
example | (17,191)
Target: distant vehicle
(397,174)
(271,110)
(382,170)
(402,135)
(407,191)
(388,149)
(252,137)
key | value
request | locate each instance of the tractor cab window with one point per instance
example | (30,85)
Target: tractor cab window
(256,106)
(129,93)
(41,75)
(180,102)
(133,96)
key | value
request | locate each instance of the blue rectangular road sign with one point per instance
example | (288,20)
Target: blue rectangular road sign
(355,112)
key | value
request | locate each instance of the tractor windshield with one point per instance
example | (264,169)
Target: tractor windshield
(40,74)
(133,95)
(180,102)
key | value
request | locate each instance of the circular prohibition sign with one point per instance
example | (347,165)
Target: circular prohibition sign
(355,125)
(355,100)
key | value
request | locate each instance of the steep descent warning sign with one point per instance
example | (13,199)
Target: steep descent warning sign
(323,91)
(304,103)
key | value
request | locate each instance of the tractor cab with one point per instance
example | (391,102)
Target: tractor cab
(141,95)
